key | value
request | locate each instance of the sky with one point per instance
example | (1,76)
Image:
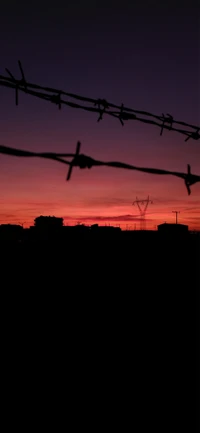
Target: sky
(144,54)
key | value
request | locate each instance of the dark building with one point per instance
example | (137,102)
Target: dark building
(105,228)
(105,231)
(47,228)
(173,229)
(11,232)
(48,222)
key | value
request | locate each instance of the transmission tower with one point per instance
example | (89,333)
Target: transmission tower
(142,206)
(176,212)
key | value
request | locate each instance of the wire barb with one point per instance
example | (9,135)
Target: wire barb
(166,119)
(101,103)
(195,135)
(100,106)
(190,179)
(74,160)
(17,83)
(84,161)
(23,80)
(125,116)
(56,99)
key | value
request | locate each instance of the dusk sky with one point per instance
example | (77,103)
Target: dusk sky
(145,54)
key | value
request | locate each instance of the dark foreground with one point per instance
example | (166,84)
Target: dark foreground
(121,317)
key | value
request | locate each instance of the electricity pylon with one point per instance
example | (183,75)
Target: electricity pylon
(142,210)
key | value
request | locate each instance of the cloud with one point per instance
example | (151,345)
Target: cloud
(191,218)
(105,201)
(97,218)
(7,215)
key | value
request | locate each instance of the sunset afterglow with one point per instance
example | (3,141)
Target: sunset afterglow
(155,69)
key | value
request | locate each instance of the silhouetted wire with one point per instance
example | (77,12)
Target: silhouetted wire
(100,106)
(83,161)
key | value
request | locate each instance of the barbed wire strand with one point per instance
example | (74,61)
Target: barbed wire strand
(83,161)
(100,106)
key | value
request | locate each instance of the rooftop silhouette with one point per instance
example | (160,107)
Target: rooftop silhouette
(52,229)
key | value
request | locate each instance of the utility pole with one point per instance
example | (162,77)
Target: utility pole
(176,212)
(143,210)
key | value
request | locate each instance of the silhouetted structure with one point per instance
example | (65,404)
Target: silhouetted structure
(48,222)
(142,210)
(50,231)
(11,232)
(47,228)
(173,229)
(105,232)
(176,212)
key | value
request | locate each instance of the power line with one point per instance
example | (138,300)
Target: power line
(99,105)
(83,161)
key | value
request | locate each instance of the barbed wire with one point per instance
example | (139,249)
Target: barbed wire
(83,161)
(100,106)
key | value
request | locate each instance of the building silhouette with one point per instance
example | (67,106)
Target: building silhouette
(47,228)
(11,232)
(48,222)
(173,229)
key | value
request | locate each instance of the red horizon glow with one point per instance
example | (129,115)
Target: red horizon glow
(88,199)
